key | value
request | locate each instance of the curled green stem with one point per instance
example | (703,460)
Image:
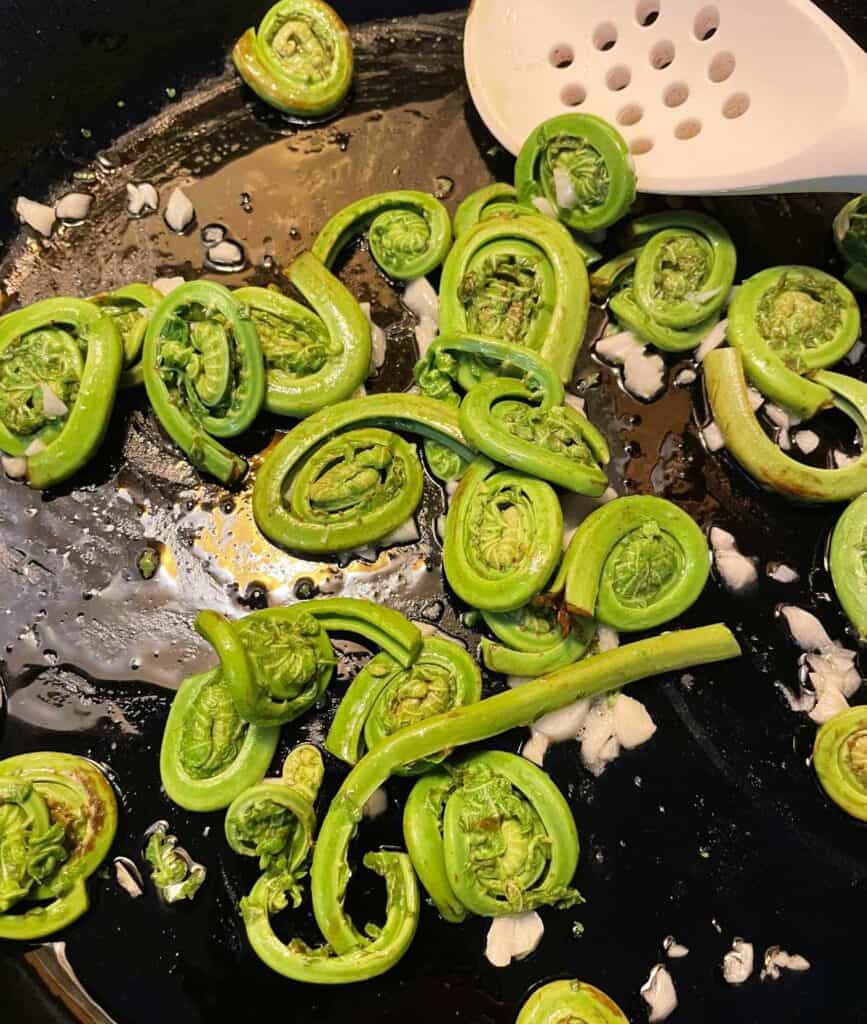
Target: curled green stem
(130,308)
(850,237)
(840,760)
(570,1002)
(533,641)
(848,563)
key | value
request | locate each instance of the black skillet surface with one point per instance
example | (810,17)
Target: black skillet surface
(713,829)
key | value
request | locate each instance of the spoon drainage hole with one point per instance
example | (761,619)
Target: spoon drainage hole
(662,54)
(641,146)
(721,67)
(706,23)
(561,56)
(631,114)
(736,105)
(647,12)
(605,35)
(618,78)
(688,129)
(573,95)
(676,94)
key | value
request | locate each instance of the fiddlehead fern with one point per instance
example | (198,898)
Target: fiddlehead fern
(58,818)
(130,308)
(533,641)
(503,537)
(176,876)
(580,165)
(850,237)
(60,360)
(520,422)
(491,835)
(726,386)
(313,358)
(570,1002)
(409,233)
(300,58)
(209,754)
(788,321)
(840,760)
(489,201)
(204,374)
(278,662)
(517,279)
(634,563)
(354,487)
(848,563)
(385,697)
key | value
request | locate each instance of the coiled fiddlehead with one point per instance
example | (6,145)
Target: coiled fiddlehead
(533,641)
(60,360)
(850,237)
(489,201)
(840,760)
(788,321)
(209,754)
(470,724)
(58,818)
(520,422)
(570,1002)
(634,563)
(204,374)
(503,537)
(385,697)
(300,58)
(726,386)
(354,487)
(130,309)
(848,563)
(409,233)
(175,875)
(580,165)
(278,662)
(517,279)
(275,822)
(491,835)
(316,357)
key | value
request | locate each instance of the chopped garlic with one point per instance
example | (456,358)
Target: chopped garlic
(513,937)
(659,994)
(737,964)
(643,373)
(142,199)
(36,215)
(180,212)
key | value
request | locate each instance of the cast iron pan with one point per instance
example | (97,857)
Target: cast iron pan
(715,828)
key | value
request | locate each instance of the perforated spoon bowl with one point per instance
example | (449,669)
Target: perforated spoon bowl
(731,96)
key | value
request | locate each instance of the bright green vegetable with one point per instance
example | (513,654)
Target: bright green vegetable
(355,487)
(743,435)
(473,723)
(209,754)
(614,273)
(533,641)
(788,321)
(491,836)
(130,308)
(570,1002)
(300,58)
(60,360)
(409,233)
(204,374)
(58,818)
(385,697)
(316,357)
(580,165)
(840,760)
(518,421)
(488,201)
(175,874)
(503,537)
(850,237)
(517,279)
(634,563)
(848,563)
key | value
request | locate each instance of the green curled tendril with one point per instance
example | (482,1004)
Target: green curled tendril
(503,537)
(580,165)
(409,233)
(488,201)
(60,360)
(473,723)
(519,420)
(204,374)
(850,237)
(300,58)
(209,754)
(848,563)
(532,641)
(279,661)
(840,760)
(729,399)
(174,873)
(354,487)
(386,696)
(130,308)
(491,835)
(316,357)
(788,321)
(570,1002)
(635,563)
(518,279)
(58,818)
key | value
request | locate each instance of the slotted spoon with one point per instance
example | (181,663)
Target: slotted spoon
(731,96)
